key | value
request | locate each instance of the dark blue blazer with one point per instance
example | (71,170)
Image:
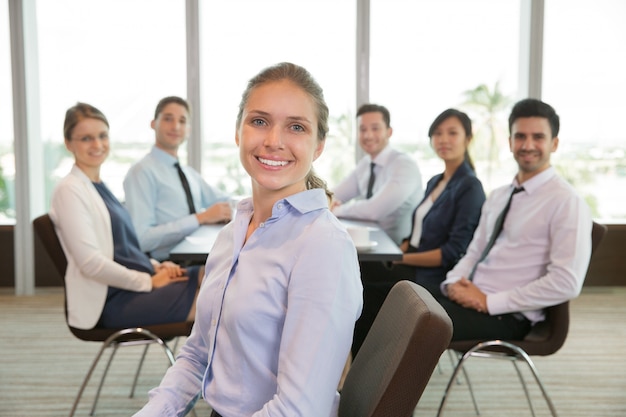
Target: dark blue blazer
(451,221)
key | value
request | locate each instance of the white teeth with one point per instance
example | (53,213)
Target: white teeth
(273,163)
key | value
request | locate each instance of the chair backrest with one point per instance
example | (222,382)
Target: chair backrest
(398,356)
(44,228)
(598,231)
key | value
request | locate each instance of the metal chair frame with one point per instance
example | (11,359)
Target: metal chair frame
(515,354)
(115,341)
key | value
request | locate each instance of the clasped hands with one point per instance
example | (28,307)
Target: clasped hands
(167,273)
(465,293)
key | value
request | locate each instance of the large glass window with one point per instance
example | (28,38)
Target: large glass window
(427,56)
(583,78)
(7,159)
(121,56)
(239,38)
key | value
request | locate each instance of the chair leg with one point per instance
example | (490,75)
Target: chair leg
(523,382)
(455,374)
(149,337)
(455,357)
(143,356)
(471,390)
(86,379)
(520,354)
(104,375)
(524,356)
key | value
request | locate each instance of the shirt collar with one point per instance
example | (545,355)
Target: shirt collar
(537,181)
(162,156)
(382,158)
(303,202)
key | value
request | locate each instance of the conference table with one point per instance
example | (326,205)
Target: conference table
(195,247)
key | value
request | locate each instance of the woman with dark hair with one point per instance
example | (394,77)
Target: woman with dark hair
(443,222)
(277,307)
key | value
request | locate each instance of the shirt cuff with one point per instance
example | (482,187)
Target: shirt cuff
(497,303)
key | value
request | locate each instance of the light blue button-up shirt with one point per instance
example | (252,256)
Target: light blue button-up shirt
(275,317)
(157,203)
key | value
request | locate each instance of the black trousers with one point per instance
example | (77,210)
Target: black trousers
(215,414)
(470,324)
(377,279)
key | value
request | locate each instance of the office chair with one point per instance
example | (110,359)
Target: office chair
(545,338)
(395,362)
(110,338)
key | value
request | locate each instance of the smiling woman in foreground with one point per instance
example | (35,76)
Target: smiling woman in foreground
(277,307)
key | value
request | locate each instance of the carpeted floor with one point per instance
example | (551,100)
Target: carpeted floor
(42,366)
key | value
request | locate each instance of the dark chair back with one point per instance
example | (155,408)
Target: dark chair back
(44,228)
(398,356)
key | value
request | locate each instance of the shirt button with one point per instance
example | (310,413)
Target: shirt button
(213,322)
(262,224)
(280,206)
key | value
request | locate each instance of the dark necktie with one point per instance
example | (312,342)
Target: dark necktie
(370,183)
(183,180)
(497,228)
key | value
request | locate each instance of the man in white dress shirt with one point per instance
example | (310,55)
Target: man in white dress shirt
(392,193)
(541,255)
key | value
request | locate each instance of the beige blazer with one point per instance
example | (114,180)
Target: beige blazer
(83,225)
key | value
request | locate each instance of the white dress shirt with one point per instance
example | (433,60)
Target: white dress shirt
(541,256)
(397,191)
(275,317)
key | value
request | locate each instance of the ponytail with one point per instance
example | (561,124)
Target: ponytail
(313,181)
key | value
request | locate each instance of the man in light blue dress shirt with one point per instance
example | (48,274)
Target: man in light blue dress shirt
(155,195)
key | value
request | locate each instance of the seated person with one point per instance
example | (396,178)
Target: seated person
(386,184)
(109,281)
(164,209)
(443,222)
(277,308)
(540,256)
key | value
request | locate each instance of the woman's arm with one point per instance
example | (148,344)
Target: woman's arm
(82,229)
(469,200)
(429,258)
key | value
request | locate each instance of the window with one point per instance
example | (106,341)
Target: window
(429,56)
(7,159)
(583,78)
(239,39)
(121,56)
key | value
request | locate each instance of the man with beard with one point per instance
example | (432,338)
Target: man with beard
(533,243)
